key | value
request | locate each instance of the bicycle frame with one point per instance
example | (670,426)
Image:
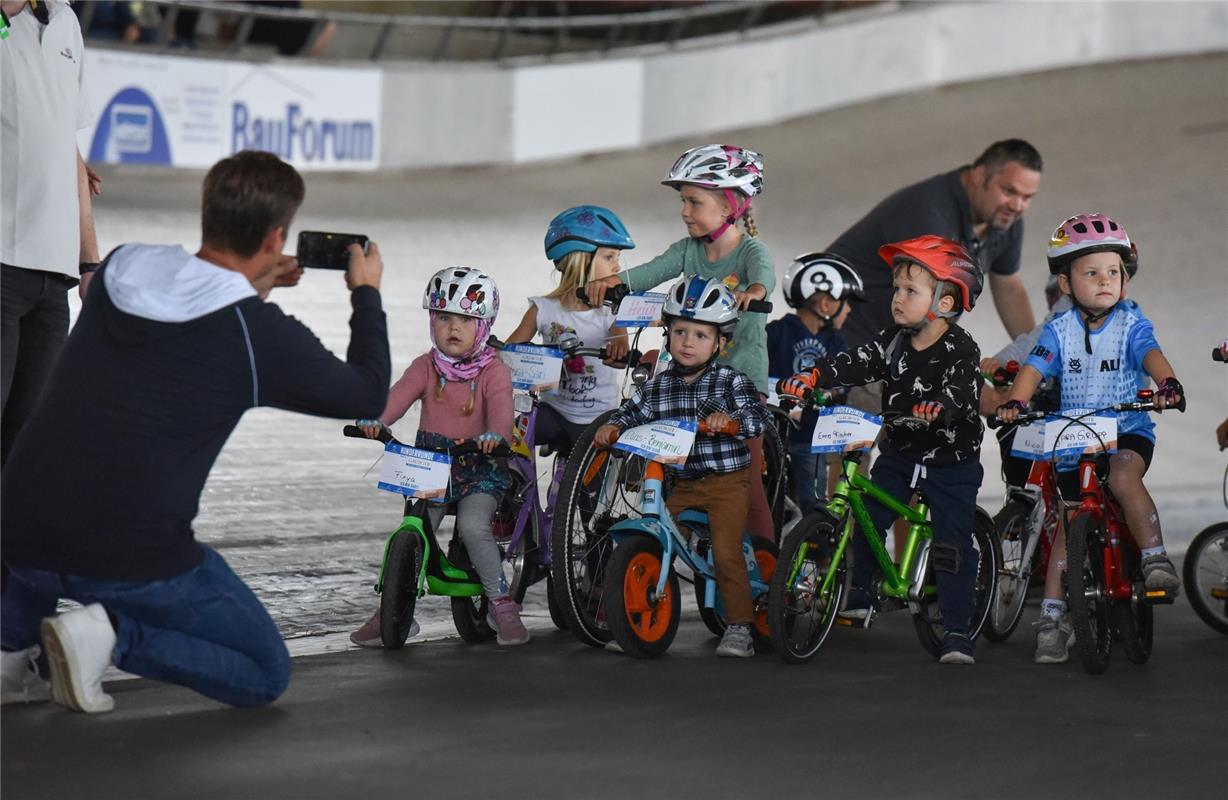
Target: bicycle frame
(1095,503)
(1041,490)
(897,579)
(657,522)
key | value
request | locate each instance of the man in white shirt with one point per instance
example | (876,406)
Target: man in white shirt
(46,219)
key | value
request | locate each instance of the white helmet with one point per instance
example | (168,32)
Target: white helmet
(821,272)
(719,166)
(703,300)
(467,291)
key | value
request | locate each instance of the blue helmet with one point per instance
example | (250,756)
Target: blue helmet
(585,228)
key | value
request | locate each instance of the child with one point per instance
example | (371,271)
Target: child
(700,315)
(466,393)
(820,286)
(717,184)
(933,431)
(1103,350)
(584,243)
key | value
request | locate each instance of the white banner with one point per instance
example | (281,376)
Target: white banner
(534,368)
(1057,436)
(842,428)
(191,112)
(668,441)
(413,472)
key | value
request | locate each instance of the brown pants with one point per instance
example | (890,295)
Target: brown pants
(725,496)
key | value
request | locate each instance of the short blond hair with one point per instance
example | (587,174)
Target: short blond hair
(574,268)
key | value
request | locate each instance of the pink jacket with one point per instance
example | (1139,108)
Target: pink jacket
(492,409)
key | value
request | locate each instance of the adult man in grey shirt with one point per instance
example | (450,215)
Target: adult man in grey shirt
(980,206)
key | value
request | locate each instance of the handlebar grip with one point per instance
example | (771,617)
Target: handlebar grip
(1217,354)
(730,429)
(355,432)
(993,423)
(759,306)
(581,294)
(468,447)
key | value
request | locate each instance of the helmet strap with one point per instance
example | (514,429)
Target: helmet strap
(939,290)
(738,210)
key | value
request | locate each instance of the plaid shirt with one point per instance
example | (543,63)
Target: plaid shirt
(720,389)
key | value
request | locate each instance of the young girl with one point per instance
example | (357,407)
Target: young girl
(1102,350)
(466,393)
(584,243)
(716,184)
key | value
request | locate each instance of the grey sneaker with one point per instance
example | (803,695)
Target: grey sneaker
(1160,574)
(736,643)
(1054,638)
(21,681)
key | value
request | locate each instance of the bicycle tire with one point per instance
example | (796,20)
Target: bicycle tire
(1090,610)
(775,476)
(799,620)
(552,603)
(399,595)
(766,554)
(1014,577)
(642,628)
(580,546)
(927,621)
(469,613)
(1205,568)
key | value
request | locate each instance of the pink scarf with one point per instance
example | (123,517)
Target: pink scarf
(471,364)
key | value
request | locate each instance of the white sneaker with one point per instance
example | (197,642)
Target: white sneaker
(79,645)
(19,678)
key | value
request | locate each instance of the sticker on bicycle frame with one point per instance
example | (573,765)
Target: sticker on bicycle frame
(668,441)
(1064,438)
(414,473)
(534,368)
(640,310)
(842,428)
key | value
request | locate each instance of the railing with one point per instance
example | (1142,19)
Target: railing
(507,33)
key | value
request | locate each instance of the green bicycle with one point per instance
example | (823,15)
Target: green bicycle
(809,582)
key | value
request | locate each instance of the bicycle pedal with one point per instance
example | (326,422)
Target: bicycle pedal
(1220,592)
(856,622)
(1157,597)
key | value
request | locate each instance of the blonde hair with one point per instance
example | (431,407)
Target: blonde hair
(473,392)
(575,268)
(748,220)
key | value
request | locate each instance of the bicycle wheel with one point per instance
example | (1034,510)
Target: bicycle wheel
(469,613)
(552,603)
(519,555)
(642,622)
(766,554)
(775,475)
(927,620)
(399,594)
(1205,575)
(800,612)
(597,491)
(1090,610)
(1006,608)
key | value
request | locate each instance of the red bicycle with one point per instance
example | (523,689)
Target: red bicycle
(1104,579)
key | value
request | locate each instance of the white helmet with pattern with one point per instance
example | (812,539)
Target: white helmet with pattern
(719,166)
(702,300)
(467,291)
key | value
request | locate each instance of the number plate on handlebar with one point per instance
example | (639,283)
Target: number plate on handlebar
(842,428)
(534,368)
(414,473)
(640,310)
(668,441)
(1058,437)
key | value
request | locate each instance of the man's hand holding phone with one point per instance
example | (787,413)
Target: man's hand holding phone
(366,269)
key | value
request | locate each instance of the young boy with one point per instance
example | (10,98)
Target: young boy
(1102,351)
(820,286)
(700,315)
(933,431)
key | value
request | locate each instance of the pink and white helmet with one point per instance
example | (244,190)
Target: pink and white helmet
(1090,233)
(719,166)
(467,291)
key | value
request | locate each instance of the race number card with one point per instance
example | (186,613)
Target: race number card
(534,368)
(668,441)
(842,428)
(1092,434)
(1029,442)
(640,310)
(413,472)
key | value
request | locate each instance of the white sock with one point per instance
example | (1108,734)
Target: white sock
(1148,552)
(1054,609)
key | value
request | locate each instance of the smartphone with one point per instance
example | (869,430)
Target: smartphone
(320,250)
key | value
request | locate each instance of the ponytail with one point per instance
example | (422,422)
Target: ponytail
(748,221)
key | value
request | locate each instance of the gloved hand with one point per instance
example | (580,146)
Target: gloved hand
(799,384)
(928,410)
(488,441)
(1011,409)
(1169,392)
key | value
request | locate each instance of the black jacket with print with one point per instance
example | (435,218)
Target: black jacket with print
(948,371)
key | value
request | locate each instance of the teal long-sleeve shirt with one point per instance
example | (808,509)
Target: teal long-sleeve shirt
(748,263)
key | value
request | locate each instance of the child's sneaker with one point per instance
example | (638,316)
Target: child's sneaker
(368,635)
(19,678)
(1054,638)
(1160,574)
(736,643)
(79,645)
(505,614)
(956,648)
(857,606)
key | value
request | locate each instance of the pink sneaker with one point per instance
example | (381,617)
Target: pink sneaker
(368,635)
(506,614)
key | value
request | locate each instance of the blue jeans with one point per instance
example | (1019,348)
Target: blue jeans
(203,629)
(951,492)
(809,476)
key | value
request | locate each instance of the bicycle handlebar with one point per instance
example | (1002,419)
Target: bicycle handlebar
(1217,354)
(615,294)
(464,448)
(730,429)
(1003,376)
(1146,402)
(571,348)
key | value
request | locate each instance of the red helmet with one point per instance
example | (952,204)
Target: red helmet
(946,260)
